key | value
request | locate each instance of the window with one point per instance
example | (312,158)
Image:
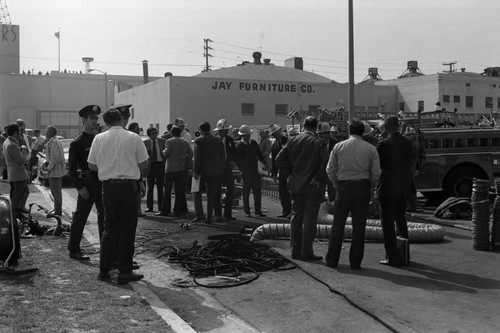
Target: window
(460,143)
(456,99)
(488,102)
(312,107)
(446,98)
(402,106)
(498,102)
(495,142)
(281,110)
(247,109)
(471,142)
(434,144)
(469,101)
(483,142)
(420,106)
(447,143)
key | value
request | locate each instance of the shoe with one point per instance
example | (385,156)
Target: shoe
(149,211)
(311,258)
(261,214)
(161,214)
(129,277)
(141,214)
(78,256)
(104,276)
(388,263)
(173,215)
(198,219)
(284,215)
(331,265)
(230,218)
(135,265)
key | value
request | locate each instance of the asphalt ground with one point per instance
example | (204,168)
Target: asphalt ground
(448,287)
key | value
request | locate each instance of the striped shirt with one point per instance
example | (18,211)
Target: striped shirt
(353,159)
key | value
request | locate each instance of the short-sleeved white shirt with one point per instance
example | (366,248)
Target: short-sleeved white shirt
(117,154)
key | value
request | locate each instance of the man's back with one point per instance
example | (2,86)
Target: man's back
(396,153)
(209,155)
(178,154)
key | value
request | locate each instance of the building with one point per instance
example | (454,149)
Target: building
(253,93)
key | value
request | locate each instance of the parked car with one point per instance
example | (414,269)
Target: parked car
(42,170)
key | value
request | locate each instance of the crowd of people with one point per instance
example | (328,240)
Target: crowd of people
(114,169)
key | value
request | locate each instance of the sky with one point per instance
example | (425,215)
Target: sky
(120,34)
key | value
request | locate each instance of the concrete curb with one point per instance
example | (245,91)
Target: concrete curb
(176,323)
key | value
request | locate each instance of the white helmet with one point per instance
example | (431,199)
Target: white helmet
(273,128)
(244,130)
(223,124)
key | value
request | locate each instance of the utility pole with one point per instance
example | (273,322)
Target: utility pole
(452,67)
(351,62)
(206,54)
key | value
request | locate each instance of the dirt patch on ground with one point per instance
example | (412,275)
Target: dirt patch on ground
(65,296)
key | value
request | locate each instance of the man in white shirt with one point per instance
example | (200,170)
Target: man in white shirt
(118,156)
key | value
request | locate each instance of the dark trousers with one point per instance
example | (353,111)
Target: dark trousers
(176,179)
(83,208)
(305,208)
(332,192)
(156,176)
(19,193)
(352,197)
(285,197)
(393,209)
(212,184)
(120,222)
(228,183)
(251,182)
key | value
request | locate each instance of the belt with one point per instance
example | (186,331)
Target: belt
(354,181)
(119,181)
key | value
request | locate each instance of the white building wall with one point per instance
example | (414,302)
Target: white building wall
(198,99)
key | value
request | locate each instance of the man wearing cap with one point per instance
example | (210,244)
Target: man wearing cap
(354,169)
(221,132)
(249,153)
(305,157)
(367,134)
(208,167)
(396,157)
(281,175)
(118,156)
(156,169)
(85,180)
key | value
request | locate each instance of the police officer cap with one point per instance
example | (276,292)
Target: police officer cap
(89,110)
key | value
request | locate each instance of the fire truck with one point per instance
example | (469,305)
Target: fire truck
(452,155)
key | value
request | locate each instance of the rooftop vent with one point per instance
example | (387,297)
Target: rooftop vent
(412,70)
(256,58)
(492,71)
(294,62)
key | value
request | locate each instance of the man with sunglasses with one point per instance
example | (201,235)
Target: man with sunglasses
(85,180)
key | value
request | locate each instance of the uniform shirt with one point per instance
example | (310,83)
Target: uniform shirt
(117,154)
(353,159)
(55,157)
(16,171)
(179,155)
(78,154)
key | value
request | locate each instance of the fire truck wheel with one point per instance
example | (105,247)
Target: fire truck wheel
(458,182)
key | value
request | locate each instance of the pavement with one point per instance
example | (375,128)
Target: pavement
(448,287)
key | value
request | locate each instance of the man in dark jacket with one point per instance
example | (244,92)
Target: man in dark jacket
(208,167)
(156,170)
(280,175)
(221,132)
(305,156)
(248,154)
(396,154)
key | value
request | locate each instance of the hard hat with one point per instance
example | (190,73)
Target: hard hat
(293,131)
(368,128)
(410,130)
(244,130)
(179,122)
(223,124)
(334,129)
(323,128)
(273,128)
